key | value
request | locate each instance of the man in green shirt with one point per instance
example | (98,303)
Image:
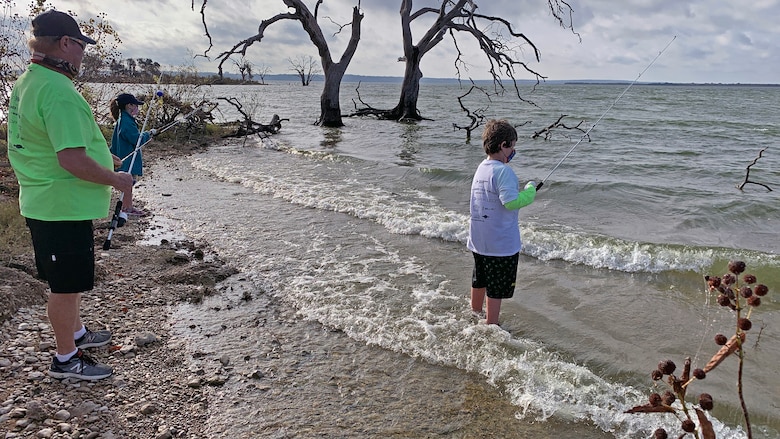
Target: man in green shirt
(65,174)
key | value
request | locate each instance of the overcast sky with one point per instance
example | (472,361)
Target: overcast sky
(716,41)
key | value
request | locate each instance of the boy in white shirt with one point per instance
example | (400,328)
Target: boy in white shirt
(494,233)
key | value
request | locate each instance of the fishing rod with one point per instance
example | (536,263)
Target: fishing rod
(118,209)
(539,186)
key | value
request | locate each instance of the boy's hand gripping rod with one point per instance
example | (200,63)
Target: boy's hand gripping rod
(539,186)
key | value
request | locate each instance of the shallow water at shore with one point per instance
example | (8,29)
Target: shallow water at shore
(297,378)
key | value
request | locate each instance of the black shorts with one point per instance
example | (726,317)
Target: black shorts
(64,254)
(497,274)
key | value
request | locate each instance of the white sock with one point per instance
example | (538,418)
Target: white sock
(80,333)
(66,357)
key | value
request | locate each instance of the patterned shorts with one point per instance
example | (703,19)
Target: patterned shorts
(497,274)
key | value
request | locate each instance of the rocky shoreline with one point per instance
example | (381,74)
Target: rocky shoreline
(155,391)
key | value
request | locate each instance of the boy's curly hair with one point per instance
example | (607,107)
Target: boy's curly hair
(497,132)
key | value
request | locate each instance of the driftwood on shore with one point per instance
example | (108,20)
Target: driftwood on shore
(247,126)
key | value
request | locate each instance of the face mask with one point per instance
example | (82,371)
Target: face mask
(511,156)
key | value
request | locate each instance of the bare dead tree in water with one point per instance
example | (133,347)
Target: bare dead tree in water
(500,43)
(305,67)
(747,173)
(547,131)
(333,71)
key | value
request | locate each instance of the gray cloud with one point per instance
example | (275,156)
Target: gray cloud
(715,41)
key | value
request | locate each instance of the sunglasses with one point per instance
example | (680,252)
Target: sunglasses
(76,40)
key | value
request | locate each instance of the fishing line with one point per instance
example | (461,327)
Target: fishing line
(605,113)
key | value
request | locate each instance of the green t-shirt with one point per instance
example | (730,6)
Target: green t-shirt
(47,115)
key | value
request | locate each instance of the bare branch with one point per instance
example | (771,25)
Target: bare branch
(547,131)
(559,12)
(747,173)
(477,116)
(205,26)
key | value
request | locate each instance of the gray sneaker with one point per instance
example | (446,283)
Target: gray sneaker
(93,339)
(79,366)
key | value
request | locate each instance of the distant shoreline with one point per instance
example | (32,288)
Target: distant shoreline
(399,80)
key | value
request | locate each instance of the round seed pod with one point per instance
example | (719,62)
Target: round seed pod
(699,374)
(723,300)
(754,301)
(657,375)
(713,281)
(728,279)
(667,367)
(721,339)
(688,426)
(668,398)
(736,267)
(749,279)
(705,401)
(744,324)
(655,399)
(660,434)
(745,292)
(761,290)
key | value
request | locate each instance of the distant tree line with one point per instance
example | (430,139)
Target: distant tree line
(145,71)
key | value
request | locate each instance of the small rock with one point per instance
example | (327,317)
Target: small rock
(35,376)
(45,433)
(62,415)
(145,339)
(163,433)
(148,409)
(36,411)
(216,380)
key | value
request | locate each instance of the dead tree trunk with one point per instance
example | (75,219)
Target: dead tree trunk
(330,108)
(406,109)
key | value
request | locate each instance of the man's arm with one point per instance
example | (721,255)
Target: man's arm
(76,161)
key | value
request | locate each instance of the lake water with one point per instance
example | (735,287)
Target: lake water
(360,233)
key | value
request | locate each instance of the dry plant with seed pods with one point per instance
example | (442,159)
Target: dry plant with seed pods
(742,294)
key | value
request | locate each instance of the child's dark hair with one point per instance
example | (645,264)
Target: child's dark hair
(497,132)
(115,109)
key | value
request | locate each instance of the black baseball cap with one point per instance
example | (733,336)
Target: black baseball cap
(54,23)
(126,98)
